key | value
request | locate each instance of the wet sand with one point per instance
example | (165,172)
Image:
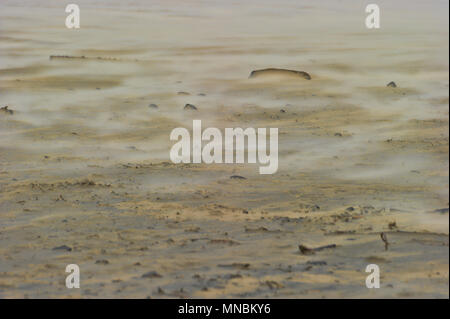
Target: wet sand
(84,159)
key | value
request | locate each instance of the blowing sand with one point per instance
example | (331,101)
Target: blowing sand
(85,175)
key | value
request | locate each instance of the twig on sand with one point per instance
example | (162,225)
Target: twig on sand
(82,57)
(384,239)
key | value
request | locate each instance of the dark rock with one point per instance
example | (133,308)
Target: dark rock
(391,84)
(102,262)
(190,107)
(153,106)
(151,274)
(237,177)
(305,250)
(392,225)
(6,110)
(311,251)
(63,247)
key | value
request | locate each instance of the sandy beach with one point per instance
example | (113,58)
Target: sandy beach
(86,178)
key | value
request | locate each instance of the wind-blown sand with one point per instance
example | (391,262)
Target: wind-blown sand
(84,160)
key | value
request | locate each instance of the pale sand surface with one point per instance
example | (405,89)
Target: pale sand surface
(84,162)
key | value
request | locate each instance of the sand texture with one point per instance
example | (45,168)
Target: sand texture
(86,179)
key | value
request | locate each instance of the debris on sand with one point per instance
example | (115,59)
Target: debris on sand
(309,208)
(384,239)
(260,230)
(317,263)
(311,251)
(228,242)
(392,225)
(52,57)
(237,177)
(274,71)
(102,262)
(60,198)
(440,211)
(235,265)
(273,284)
(161,291)
(256,230)
(190,107)
(151,274)
(183,93)
(63,247)
(153,106)
(6,110)
(391,84)
(305,250)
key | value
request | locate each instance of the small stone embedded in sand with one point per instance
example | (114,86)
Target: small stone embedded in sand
(63,247)
(153,106)
(190,107)
(102,262)
(279,72)
(237,177)
(183,93)
(391,84)
(6,110)
(151,274)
